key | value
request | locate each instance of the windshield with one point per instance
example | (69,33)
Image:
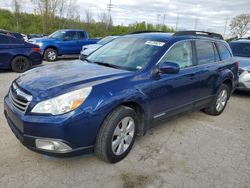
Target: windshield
(240,49)
(105,40)
(127,53)
(57,35)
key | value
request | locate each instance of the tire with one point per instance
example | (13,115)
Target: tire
(20,64)
(50,54)
(109,131)
(221,100)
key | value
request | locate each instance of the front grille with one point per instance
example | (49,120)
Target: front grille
(19,98)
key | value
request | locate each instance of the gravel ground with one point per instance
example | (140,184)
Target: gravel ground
(194,150)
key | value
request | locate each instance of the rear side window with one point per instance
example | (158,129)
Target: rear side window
(240,49)
(4,39)
(181,53)
(71,35)
(81,35)
(205,52)
(17,35)
(15,41)
(224,52)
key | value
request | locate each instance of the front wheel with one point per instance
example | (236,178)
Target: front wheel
(117,134)
(220,101)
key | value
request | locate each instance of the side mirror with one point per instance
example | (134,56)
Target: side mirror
(169,68)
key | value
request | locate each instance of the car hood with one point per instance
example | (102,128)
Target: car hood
(36,40)
(91,46)
(52,80)
(244,62)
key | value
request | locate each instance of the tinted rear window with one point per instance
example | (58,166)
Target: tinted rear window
(4,39)
(17,35)
(15,41)
(240,49)
(224,52)
(81,35)
(205,52)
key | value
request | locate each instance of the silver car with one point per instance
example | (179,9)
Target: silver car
(241,51)
(88,49)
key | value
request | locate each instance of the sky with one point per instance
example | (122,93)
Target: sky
(208,15)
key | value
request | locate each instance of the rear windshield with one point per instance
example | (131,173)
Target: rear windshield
(240,49)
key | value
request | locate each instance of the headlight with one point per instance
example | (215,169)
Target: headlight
(63,103)
(40,44)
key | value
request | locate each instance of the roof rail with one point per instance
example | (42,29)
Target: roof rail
(146,31)
(247,38)
(199,33)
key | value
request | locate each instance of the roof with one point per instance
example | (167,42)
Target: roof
(241,41)
(168,36)
(72,30)
(153,35)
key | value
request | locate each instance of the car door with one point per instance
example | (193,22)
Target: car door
(175,93)
(5,55)
(208,64)
(69,44)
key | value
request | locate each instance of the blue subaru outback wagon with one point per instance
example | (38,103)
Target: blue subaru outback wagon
(119,91)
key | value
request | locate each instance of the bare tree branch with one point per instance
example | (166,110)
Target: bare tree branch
(240,25)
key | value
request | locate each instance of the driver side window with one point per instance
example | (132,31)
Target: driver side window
(71,35)
(181,53)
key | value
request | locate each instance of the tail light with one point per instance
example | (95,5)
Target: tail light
(36,50)
(237,64)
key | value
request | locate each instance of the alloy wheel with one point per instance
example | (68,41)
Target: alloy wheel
(221,100)
(123,135)
(51,55)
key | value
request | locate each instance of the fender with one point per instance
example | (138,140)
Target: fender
(110,101)
(55,46)
(225,74)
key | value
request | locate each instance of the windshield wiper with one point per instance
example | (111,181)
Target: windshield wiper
(110,65)
(107,65)
(103,64)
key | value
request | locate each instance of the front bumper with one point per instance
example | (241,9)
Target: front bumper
(36,58)
(28,129)
(244,81)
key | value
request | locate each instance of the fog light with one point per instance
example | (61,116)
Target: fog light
(52,145)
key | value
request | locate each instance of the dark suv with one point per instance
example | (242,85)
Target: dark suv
(102,103)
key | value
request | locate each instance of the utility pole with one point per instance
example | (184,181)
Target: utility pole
(196,23)
(109,7)
(225,28)
(164,18)
(177,21)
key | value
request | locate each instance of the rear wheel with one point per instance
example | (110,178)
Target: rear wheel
(117,134)
(220,101)
(20,64)
(50,54)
